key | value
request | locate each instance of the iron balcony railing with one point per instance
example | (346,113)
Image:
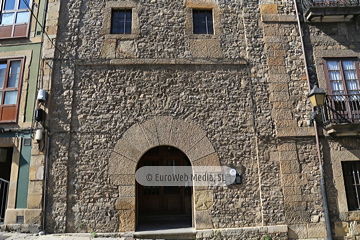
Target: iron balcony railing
(344,108)
(4,190)
(306,4)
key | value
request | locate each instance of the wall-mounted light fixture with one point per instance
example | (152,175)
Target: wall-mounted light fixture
(317,99)
(317,96)
(236,177)
(41,97)
(39,134)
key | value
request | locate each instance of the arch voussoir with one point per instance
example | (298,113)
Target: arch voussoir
(136,137)
(163,128)
(150,131)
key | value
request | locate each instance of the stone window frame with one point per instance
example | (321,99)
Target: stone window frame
(135,24)
(202,5)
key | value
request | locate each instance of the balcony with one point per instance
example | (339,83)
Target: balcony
(330,10)
(341,114)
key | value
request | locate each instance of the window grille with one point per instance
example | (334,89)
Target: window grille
(203,21)
(351,171)
(121,20)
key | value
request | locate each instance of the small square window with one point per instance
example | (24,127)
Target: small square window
(203,21)
(121,21)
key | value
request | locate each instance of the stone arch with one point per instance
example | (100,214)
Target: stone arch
(137,140)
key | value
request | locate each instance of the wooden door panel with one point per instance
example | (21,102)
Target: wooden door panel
(172,204)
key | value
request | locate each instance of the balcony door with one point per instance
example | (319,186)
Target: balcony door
(344,92)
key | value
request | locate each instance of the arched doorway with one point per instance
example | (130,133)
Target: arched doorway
(163,207)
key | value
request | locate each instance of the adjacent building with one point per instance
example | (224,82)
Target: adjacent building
(27,34)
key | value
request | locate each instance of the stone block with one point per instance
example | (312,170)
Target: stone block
(201,149)
(354,216)
(203,220)
(125,49)
(288,155)
(127,191)
(125,203)
(316,230)
(295,206)
(276,61)
(286,147)
(286,124)
(163,126)
(124,148)
(279,97)
(121,165)
(34,201)
(290,190)
(278,87)
(281,78)
(149,128)
(271,30)
(278,229)
(32,216)
(203,200)
(298,231)
(268,9)
(305,131)
(274,156)
(281,105)
(277,70)
(210,160)
(127,220)
(285,167)
(122,179)
(205,48)
(136,137)
(341,229)
(35,188)
(109,48)
(294,179)
(280,53)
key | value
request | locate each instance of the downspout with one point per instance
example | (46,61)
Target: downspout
(322,180)
(46,173)
(46,170)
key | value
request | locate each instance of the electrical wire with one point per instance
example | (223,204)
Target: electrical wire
(42,26)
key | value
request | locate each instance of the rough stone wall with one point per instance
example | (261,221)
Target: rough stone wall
(243,87)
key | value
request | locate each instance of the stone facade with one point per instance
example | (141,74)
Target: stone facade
(234,98)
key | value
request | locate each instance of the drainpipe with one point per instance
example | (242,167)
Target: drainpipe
(322,180)
(46,173)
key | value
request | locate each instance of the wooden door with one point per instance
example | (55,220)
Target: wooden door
(168,200)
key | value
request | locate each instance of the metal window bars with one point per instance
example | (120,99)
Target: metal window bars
(4,190)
